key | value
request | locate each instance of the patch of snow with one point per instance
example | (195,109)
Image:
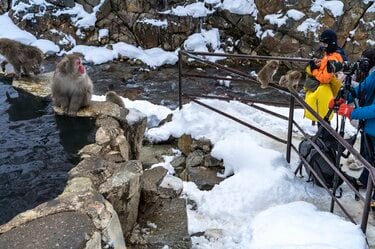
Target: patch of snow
(295,14)
(336,8)
(155,22)
(276,19)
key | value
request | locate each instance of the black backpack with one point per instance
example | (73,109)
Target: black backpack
(320,166)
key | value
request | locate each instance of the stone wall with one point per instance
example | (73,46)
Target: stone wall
(99,207)
(123,20)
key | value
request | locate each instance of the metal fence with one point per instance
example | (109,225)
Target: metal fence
(202,57)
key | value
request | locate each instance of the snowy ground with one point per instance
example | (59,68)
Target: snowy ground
(263,205)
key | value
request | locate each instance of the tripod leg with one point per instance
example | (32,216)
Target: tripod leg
(299,170)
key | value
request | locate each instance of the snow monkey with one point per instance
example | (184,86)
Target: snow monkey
(291,79)
(24,58)
(71,86)
(266,74)
(113,97)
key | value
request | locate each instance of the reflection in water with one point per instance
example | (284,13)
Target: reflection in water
(37,150)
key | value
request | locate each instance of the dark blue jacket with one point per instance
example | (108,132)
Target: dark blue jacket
(367,111)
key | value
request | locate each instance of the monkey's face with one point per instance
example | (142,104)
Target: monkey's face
(79,67)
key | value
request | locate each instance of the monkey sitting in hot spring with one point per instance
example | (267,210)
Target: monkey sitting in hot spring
(71,86)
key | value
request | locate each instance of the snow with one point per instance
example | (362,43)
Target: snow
(309,25)
(336,8)
(276,19)
(304,229)
(96,55)
(295,14)
(205,41)
(79,16)
(243,204)
(46,46)
(241,7)
(103,33)
(155,22)
(13,31)
(195,10)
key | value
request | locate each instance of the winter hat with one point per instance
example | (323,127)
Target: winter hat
(370,54)
(329,37)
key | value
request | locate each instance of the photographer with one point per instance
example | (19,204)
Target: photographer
(365,93)
(321,86)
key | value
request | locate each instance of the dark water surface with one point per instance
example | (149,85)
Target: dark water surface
(37,149)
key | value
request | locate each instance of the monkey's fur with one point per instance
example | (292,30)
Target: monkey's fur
(71,86)
(266,74)
(113,97)
(24,58)
(291,79)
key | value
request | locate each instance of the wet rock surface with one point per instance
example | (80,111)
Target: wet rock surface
(62,230)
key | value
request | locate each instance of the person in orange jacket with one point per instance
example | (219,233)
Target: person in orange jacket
(328,84)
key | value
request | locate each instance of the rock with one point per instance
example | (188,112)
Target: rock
(36,85)
(123,146)
(78,196)
(62,230)
(153,154)
(210,161)
(134,127)
(184,144)
(195,158)
(96,109)
(102,137)
(179,164)
(4,6)
(97,169)
(170,187)
(123,190)
(170,219)
(90,150)
(202,144)
(151,180)
(204,178)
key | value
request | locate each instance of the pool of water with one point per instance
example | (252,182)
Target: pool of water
(37,149)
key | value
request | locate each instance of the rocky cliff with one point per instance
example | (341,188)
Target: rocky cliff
(277,27)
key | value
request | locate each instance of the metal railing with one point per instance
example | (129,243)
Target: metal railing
(201,57)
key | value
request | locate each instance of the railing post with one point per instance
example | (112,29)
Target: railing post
(367,206)
(179,80)
(290,128)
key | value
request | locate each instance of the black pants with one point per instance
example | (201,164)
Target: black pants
(368,154)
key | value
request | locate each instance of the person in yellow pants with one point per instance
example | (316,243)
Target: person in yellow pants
(327,84)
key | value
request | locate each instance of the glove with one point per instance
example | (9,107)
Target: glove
(312,65)
(345,110)
(336,103)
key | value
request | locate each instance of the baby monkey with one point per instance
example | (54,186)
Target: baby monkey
(266,74)
(290,80)
(71,86)
(113,97)
(24,58)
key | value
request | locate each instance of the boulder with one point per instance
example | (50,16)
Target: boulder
(79,208)
(123,190)
(184,144)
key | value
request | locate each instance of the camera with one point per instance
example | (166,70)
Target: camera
(361,66)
